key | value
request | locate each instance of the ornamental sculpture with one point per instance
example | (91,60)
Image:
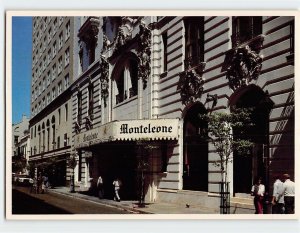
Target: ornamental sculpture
(244,67)
(124,32)
(144,53)
(191,86)
(104,79)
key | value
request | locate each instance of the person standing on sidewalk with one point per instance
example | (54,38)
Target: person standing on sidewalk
(277,200)
(100,187)
(258,191)
(117,184)
(289,194)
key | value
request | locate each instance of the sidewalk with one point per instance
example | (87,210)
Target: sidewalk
(132,206)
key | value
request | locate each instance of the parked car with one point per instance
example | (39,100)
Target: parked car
(24,180)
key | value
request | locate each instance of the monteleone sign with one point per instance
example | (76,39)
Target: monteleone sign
(159,129)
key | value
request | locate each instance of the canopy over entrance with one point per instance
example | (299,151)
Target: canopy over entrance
(133,130)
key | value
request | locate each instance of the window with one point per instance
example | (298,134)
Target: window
(40,88)
(61,19)
(54,72)
(49,35)
(54,49)
(44,84)
(127,81)
(194,41)
(66,112)
(44,63)
(59,68)
(45,23)
(48,78)
(65,139)
(165,55)
(245,28)
(45,43)
(53,93)
(67,57)
(59,89)
(49,57)
(67,81)
(48,98)
(68,31)
(58,142)
(54,26)
(32,96)
(59,116)
(43,103)
(60,41)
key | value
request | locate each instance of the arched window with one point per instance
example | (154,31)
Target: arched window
(127,81)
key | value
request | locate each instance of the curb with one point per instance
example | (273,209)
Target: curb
(118,206)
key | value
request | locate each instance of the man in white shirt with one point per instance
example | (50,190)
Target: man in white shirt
(289,194)
(277,200)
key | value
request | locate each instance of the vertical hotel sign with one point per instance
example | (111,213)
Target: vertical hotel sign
(158,129)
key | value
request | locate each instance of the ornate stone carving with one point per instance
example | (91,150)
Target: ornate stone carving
(124,31)
(88,123)
(144,53)
(191,84)
(77,127)
(104,69)
(244,67)
(89,30)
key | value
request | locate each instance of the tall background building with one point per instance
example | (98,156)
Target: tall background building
(53,41)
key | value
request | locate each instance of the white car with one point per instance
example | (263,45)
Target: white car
(24,180)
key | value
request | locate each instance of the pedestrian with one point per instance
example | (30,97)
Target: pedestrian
(33,188)
(117,184)
(100,187)
(258,191)
(289,194)
(278,199)
(39,183)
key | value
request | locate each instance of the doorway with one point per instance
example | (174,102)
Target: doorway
(195,165)
(247,168)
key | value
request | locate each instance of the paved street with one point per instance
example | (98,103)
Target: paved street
(23,202)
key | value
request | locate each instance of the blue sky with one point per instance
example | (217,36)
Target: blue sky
(21,66)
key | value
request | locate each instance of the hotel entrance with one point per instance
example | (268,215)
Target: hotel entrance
(116,160)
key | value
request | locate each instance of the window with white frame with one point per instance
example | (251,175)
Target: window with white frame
(60,41)
(68,31)
(54,71)
(67,57)
(59,88)
(67,81)
(59,67)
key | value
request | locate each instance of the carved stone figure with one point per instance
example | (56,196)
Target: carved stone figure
(104,69)
(191,86)
(244,67)
(144,53)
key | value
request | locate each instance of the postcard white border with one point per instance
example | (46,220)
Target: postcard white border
(10,14)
